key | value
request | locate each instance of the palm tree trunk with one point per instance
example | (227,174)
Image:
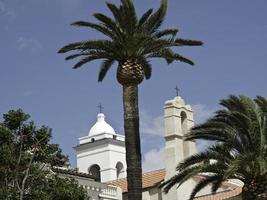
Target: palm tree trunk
(132,141)
(256,189)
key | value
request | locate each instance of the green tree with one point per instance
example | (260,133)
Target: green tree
(240,150)
(26,159)
(131,42)
(58,188)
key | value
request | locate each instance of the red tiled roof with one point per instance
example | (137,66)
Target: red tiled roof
(224,185)
(154,178)
(221,195)
(149,179)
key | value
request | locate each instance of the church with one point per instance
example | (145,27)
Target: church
(101,161)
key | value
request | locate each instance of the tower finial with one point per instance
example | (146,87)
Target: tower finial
(177,90)
(100,108)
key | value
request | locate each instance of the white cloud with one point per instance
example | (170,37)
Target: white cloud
(5,11)
(155,125)
(2,7)
(6,15)
(9,14)
(202,112)
(29,43)
(151,125)
(153,160)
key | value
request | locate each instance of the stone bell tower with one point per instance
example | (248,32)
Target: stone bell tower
(178,119)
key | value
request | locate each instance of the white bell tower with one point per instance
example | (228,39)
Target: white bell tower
(178,119)
(102,152)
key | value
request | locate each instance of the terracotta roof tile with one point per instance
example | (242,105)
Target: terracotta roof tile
(153,178)
(221,195)
(150,179)
(225,183)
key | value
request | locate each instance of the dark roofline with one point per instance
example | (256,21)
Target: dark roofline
(72,172)
(87,145)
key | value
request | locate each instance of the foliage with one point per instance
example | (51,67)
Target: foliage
(58,188)
(130,42)
(129,38)
(240,151)
(26,158)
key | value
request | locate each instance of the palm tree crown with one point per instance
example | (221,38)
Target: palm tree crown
(131,41)
(240,151)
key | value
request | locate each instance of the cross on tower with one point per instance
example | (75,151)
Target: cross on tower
(100,108)
(177,90)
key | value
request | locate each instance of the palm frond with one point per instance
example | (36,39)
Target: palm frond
(144,17)
(108,23)
(94,55)
(181,58)
(170,56)
(156,19)
(203,183)
(106,64)
(147,68)
(262,103)
(97,27)
(129,37)
(179,178)
(183,42)
(75,56)
(216,184)
(166,32)
(105,45)
(233,103)
(198,158)
(116,13)
(130,15)
(70,47)
(238,167)
(155,45)
(240,151)
(84,60)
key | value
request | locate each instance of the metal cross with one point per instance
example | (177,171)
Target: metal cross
(100,108)
(177,90)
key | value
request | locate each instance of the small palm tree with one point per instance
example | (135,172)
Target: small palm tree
(130,42)
(240,151)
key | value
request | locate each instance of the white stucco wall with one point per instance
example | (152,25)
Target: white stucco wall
(106,156)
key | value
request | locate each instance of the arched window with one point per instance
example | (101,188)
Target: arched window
(183,122)
(94,171)
(184,131)
(120,170)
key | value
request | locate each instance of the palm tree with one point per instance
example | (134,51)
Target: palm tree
(130,42)
(239,151)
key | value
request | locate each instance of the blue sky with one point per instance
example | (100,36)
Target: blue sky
(38,80)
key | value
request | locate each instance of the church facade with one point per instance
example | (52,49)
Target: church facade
(101,154)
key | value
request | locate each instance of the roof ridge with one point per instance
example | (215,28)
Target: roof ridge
(150,172)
